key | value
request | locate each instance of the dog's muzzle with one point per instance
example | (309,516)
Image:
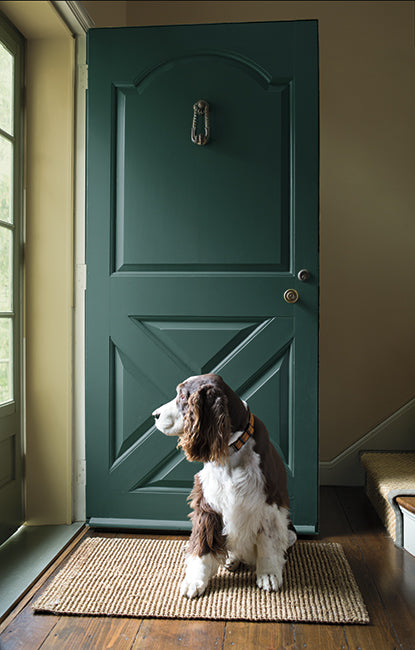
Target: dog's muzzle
(168,419)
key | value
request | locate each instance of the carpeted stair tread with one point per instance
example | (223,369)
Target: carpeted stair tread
(389,475)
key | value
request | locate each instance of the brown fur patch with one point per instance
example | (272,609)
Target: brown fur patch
(207,425)
(272,467)
(207,525)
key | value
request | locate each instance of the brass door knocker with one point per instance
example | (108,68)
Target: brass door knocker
(200,133)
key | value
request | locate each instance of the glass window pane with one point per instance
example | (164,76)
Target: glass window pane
(6,90)
(6,360)
(6,180)
(6,269)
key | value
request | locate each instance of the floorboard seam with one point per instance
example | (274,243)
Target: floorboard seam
(136,634)
(224,636)
(48,635)
(294,636)
(346,640)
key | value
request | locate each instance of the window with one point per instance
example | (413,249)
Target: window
(11,165)
(10,194)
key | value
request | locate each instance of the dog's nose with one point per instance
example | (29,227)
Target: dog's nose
(156,415)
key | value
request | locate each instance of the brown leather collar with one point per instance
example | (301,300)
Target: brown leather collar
(244,437)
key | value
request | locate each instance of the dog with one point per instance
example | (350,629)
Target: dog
(239,501)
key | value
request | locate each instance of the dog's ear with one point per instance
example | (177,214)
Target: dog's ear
(207,426)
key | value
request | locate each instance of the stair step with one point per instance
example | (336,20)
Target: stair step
(390,475)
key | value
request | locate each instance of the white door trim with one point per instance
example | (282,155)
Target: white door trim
(78,20)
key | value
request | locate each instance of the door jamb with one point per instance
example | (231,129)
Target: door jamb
(78,20)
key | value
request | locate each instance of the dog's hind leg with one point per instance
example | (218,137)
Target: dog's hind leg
(269,564)
(271,545)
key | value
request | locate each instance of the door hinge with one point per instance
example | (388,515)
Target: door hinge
(83,76)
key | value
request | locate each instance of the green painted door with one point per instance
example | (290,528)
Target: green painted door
(191,248)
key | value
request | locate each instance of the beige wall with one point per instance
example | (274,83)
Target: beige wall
(49,273)
(367,67)
(48,259)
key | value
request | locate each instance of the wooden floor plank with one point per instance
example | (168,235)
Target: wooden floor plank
(27,630)
(89,632)
(320,637)
(272,636)
(392,568)
(172,634)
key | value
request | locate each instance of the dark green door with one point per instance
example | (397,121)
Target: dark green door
(191,248)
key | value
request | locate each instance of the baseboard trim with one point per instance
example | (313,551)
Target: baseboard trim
(396,433)
(140,524)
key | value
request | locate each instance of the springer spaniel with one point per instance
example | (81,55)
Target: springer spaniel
(239,499)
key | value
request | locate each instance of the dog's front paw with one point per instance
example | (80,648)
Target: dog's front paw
(192,588)
(269,581)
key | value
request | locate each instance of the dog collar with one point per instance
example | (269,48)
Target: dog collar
(244,437)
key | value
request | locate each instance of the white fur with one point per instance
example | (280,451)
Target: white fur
(257,533)
(168,419)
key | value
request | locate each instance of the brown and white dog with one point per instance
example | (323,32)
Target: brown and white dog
(239,499)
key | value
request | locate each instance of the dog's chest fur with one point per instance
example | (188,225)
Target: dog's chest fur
(235,490)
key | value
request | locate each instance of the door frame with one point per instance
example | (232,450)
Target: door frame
(78,20)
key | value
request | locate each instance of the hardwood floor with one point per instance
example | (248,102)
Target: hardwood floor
(385,574)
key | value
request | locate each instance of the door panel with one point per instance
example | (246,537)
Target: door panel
(249,123)
(191,248)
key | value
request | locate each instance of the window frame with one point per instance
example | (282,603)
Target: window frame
(14,42)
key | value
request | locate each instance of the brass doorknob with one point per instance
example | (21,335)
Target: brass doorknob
(291,296)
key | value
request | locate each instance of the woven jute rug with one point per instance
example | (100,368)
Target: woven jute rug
(115,576)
